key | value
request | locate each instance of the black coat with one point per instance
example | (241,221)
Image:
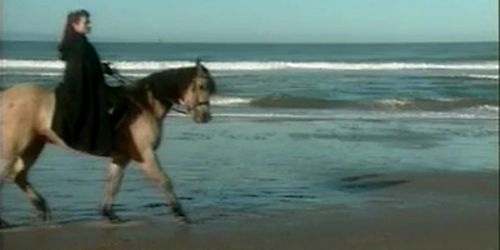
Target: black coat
(82,118)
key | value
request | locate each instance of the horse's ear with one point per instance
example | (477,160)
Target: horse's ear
(199,67)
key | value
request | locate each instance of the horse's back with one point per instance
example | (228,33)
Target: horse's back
(27,88)
(25,101)
(25,110)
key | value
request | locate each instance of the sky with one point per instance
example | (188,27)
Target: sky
(268,21)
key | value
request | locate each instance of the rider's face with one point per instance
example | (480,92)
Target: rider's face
(82,26)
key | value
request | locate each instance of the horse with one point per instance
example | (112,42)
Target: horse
(25,127)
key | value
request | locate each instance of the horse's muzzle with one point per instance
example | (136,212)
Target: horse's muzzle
(201,114)
(204,117)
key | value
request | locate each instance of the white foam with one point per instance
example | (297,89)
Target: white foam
(31,64)
(487,77)
(51,74)
(60,73)
(226,101)
(357,116)
(489,108)
(394,102)
(136,75)
(262,66)
(402,102)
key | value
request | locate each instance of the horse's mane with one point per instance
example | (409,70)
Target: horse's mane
(171,83)
(166,85)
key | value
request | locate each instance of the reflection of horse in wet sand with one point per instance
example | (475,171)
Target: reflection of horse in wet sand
(25,127)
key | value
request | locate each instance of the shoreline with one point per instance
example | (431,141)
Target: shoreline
(435,210)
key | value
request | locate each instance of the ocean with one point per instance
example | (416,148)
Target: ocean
(290,122)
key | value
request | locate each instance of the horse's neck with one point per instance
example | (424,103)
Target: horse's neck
(158,108)
(160,95)
(168,94)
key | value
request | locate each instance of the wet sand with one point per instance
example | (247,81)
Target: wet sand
(439,210)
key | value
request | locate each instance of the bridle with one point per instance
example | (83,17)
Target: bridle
(188,108)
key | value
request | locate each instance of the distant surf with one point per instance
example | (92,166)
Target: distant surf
(286,101)
(265,65)
(428,115)
(278,105)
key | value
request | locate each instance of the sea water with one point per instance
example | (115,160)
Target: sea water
(290,121)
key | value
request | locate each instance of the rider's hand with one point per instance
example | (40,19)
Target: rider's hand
(107,69)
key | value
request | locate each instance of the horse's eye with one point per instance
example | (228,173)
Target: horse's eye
(202,87)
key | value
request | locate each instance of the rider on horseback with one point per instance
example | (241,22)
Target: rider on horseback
(86,107)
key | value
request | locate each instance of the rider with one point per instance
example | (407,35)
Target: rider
(83,116)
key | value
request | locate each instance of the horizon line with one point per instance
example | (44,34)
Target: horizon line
(253,42)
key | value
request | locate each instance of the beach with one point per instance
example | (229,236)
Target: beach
(335,125)
(311,146)
(435,210)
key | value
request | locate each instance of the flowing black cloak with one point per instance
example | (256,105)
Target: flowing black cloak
(82,118)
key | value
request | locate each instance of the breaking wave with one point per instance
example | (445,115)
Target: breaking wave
(266,65)
(293,102)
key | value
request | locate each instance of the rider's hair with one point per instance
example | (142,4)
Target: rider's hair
(69,32)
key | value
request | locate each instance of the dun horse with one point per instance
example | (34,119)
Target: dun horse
(25,127)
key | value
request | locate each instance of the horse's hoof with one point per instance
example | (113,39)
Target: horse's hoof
(115,219)
(44,216)
(111,217)
(4,224)
(182,220)
(179,214)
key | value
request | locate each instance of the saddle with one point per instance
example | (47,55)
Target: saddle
(120,105)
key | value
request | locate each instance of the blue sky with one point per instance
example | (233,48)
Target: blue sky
(295,21)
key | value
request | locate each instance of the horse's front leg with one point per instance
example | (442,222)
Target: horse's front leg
(113,180)
(152,169)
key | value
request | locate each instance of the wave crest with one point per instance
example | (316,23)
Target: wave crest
(264,65)
(283,101)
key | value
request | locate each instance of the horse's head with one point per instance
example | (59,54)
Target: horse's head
(190,87)
(196,96)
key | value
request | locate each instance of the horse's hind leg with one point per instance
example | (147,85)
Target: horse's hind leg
(25,162)
(5,165)
(113,180)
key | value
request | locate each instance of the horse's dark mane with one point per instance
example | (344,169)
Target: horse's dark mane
(166,85)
